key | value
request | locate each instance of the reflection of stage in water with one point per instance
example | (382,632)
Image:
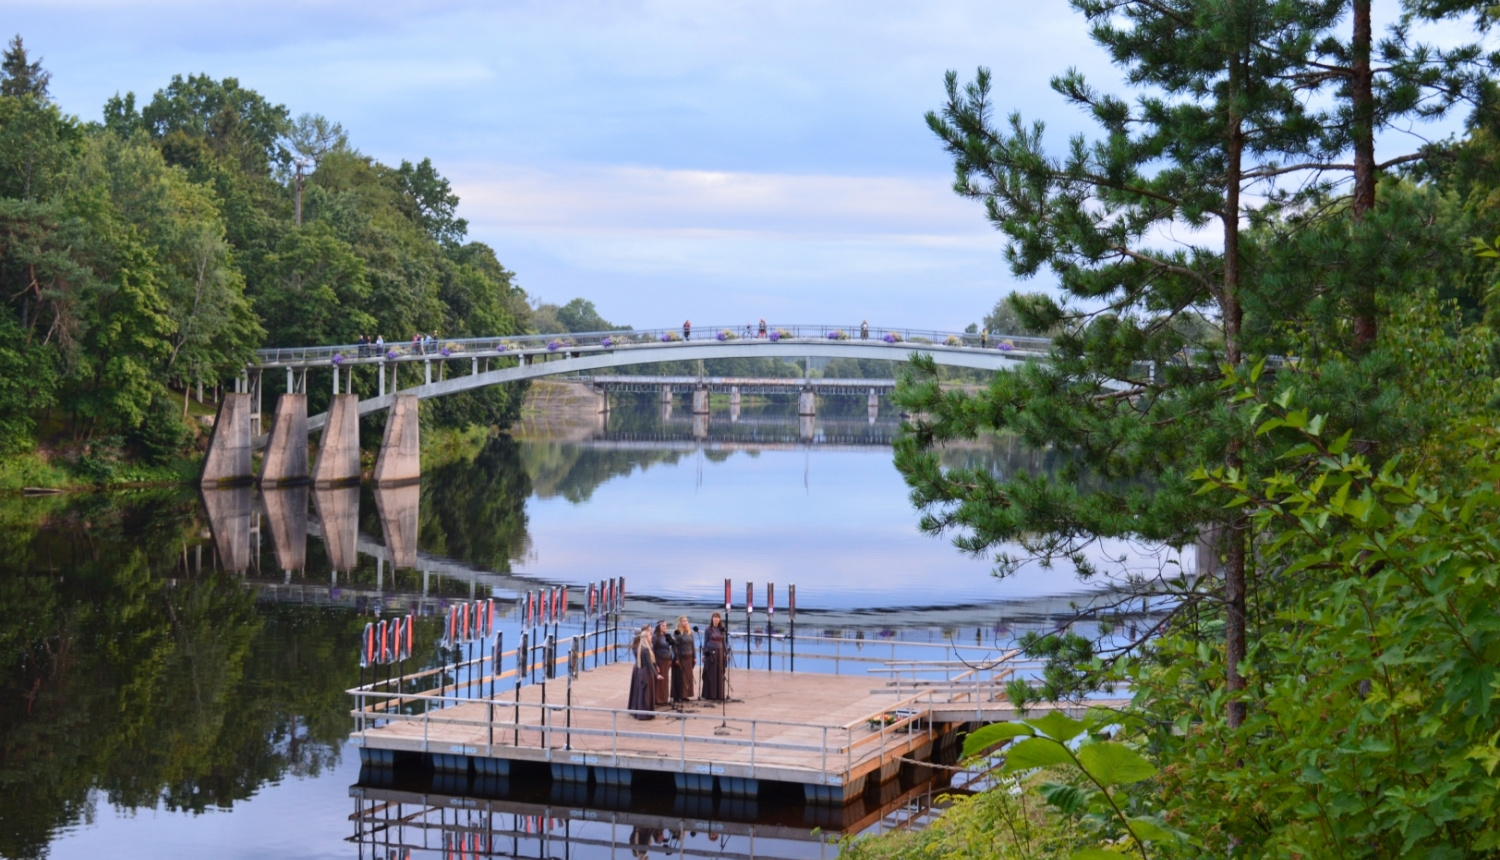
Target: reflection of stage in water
(526,816)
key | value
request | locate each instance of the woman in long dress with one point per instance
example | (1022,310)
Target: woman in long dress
(643,676)
(661,643)
(715,649)
(685,660)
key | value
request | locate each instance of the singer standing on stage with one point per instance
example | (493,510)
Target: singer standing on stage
(661,645)
(643,677)
(715,651)
(685,649)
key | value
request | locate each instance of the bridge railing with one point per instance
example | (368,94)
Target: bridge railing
(578,342)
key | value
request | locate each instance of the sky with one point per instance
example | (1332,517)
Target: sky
(719,162)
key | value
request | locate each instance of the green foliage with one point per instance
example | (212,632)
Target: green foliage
(159,248)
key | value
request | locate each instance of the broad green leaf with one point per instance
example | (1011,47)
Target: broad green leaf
(1148,830)
(1112,763)
(1035,752)
(1068,798)
(1058,726)
(985,737)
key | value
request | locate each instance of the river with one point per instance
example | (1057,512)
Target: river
(175,662)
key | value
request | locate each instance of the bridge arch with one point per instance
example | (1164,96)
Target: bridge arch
(576,360)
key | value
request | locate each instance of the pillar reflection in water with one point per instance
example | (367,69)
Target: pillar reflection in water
(397,507)
(700,425)
(338,515)
(806,427)
(286,517)
(229,510)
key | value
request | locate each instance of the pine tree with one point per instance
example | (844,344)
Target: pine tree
(20,78)
(1135,403)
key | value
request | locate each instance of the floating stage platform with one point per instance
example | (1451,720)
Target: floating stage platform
(829,734)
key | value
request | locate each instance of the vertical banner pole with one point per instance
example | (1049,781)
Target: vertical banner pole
(749,611)
(791,608)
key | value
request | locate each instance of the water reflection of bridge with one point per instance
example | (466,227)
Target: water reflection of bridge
(243,521)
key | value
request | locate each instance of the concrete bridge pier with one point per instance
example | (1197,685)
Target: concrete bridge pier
(874,406)
(286,451)
(338,452)
(400,457)
(734,396)
(700,401)
(228,459)
(807,403)
(806,427)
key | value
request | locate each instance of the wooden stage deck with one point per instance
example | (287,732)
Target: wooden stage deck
(806,728)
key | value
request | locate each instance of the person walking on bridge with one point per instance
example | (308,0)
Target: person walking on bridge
(864,330)
(687,330)
(762,326)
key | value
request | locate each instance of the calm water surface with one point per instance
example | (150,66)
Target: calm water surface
(175,665)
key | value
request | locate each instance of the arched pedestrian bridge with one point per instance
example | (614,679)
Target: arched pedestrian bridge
(407,372)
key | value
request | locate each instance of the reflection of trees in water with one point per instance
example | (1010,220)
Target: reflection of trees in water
(574,471)
(128,674)
(472,509)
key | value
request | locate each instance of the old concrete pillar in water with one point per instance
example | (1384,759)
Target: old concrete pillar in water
(229,510)
(700,401)
(338,516)
(400,451)
(228,458)
(807,403)
(397,506)
(286,516)
(338,452)
(285,460)
(666,395)
(874,401)
(734,396)
(806,426)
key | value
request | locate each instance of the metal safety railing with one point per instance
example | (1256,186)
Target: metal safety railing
(440,349)
(507,721)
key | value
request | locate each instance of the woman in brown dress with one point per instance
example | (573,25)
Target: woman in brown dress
(715,650)
(661,644)
(643,677)
(685,660)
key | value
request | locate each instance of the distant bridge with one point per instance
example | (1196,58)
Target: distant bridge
(237,428)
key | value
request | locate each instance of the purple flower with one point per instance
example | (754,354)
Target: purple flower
(722,336)
(775,336)
(391,354)
(889,338)
(666,338)
(338,358)
(447,352)
(608,341)
(502,347)
(1002,345)
(553,345)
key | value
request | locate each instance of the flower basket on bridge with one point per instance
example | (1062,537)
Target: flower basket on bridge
(780,333)
(338,358)
(726,334)
(891,337)
(448,350)
(670,337)
(607,341)
(953,340)
(775,336)
(838,334)
(554,345)
(1005,346)
(391,355)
